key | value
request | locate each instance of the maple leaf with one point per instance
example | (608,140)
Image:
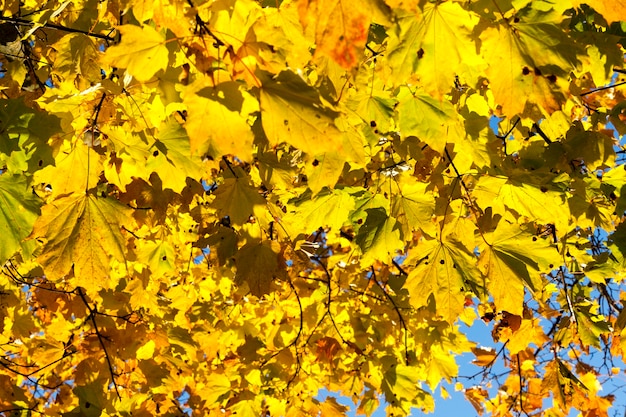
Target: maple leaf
(401,382)
(328,209)
(171,159)
(237,204)
(527,195)
(613,13)
(217,121)
(522,48)
(81,231)
(238,200)
(433,47)
(413,206)
(77,58)
(377,111)
(292,112)
(23,135)
(508,258)
(431,120)
(20,209)
(340,28)
(76,167)
(445,268)
(324,171)
(257,265)
(142,52)
(379,237)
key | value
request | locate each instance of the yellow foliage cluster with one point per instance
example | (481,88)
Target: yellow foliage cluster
(220,207)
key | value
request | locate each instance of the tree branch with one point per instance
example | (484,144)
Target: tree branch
(18,21)
(92,316)
(400,317)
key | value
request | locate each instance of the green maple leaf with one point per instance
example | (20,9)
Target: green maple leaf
(19,208)
(432,121)
(591,326)
(23,136)
(379,237)
(171,157)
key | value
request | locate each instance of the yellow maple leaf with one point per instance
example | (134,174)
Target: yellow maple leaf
(83,231)
(142,52)
(239,200)
(146,351)
(612,11)
(340,28)
(433,47)
(77,166)
(510,260)
(292,112)
(217,121)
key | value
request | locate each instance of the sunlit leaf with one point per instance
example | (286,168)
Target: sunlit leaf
(510,258)
(172,159)
(142,52)
(340,28)
(217,121)
(431,120)
(433,47)
(82,231)
(445,269)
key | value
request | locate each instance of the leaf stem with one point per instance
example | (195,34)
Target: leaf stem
(230,168)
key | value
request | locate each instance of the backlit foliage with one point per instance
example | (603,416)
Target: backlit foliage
(219,207)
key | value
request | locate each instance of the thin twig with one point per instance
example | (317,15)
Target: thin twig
(294,342)
(397,265)
(19,21)
(328,301)
(93,311)
(570,306)
(400,317)
(606,87)
(519,374)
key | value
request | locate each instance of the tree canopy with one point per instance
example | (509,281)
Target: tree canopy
(219,207)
